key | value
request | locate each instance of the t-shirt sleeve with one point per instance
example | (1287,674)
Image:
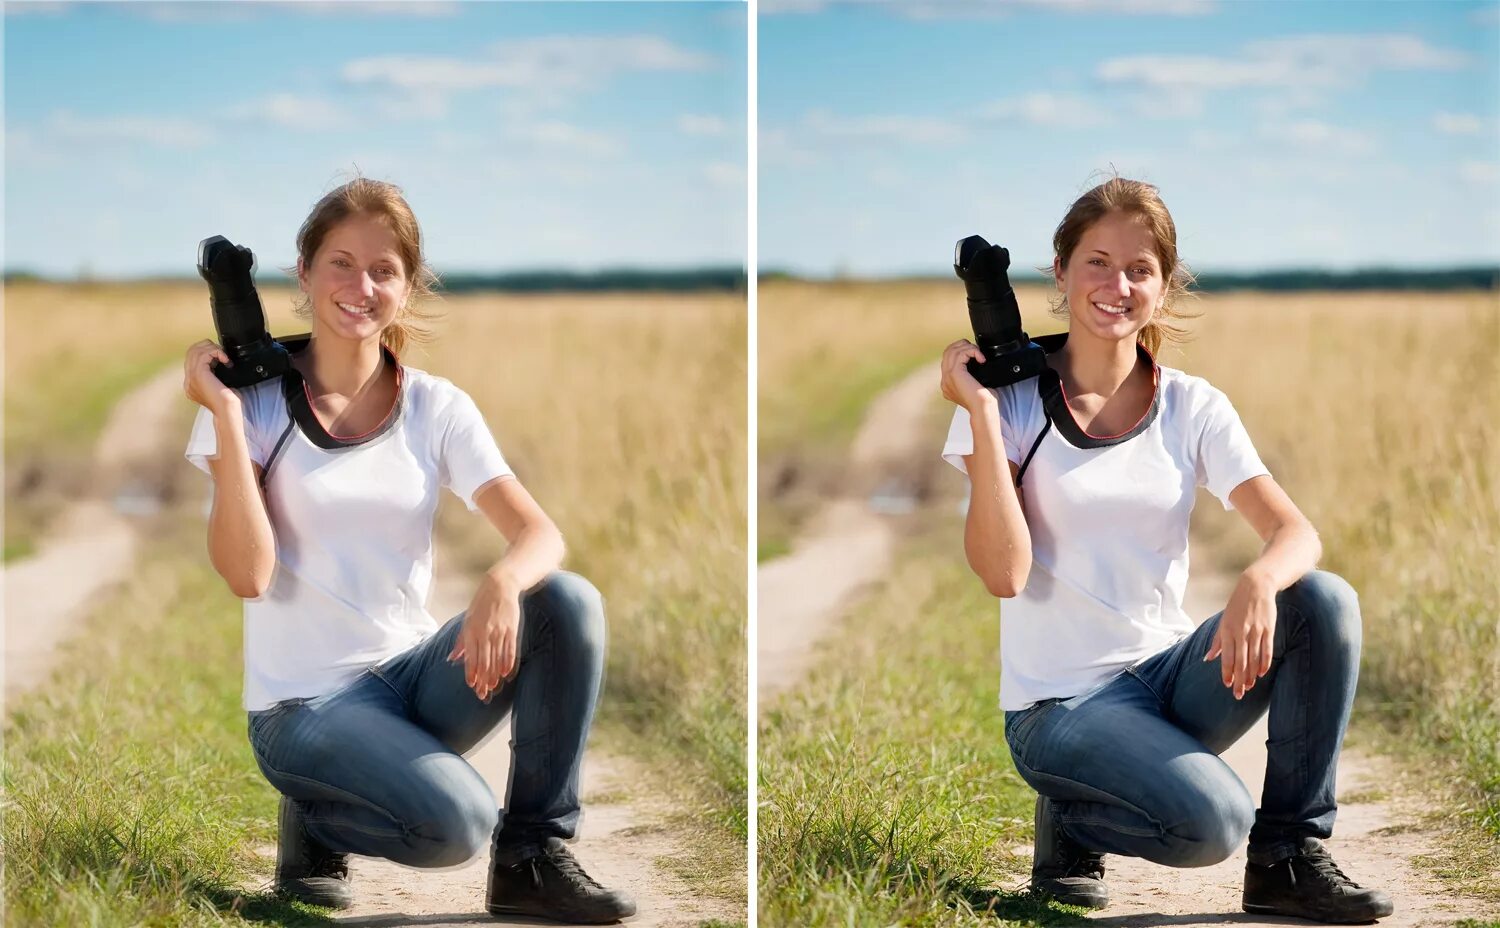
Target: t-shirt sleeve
(203,440)
(471,458)
(961,436)
(1226,456)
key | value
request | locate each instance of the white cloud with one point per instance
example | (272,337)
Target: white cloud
(778,149)
(1480,172)
(724,174)
(160,131)
(548,66)
(1321,136)
(1295,63)
(219,11)
(994,9)
(563,136)
(293,111)
(705,125)
(913,130)
(1457,123)
(1069,111)
(31,8)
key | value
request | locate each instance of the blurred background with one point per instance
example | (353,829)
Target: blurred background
(1334,173)
(578,170)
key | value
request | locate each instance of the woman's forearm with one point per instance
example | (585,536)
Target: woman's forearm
(536,552)
(1292,551)
(997,540)
(241,544)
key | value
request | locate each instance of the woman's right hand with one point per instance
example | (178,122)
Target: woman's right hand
(202,385)
(959,386)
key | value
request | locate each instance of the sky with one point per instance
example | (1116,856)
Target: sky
(1311,135)
(524,135)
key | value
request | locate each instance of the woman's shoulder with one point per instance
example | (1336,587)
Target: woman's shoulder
(1189,393)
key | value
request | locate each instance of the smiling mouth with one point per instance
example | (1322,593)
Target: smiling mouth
(358,313)
(1111,309)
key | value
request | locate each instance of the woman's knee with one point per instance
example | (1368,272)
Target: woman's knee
(575,610)
(1329,606)
(452,826)
(1211,828)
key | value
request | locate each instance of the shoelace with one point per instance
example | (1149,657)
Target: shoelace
(567,865)
(332,865)
(1323,864)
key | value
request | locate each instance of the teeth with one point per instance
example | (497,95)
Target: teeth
(1113,310)
(354,310)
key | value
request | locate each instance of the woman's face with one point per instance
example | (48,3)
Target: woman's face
(358,266)
(1113,280)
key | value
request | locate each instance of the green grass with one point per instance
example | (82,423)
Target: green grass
(887,791)
(132,796)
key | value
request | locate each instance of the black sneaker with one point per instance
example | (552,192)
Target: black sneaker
(1061,867)
(549,883)
(305,869)
(1310,885)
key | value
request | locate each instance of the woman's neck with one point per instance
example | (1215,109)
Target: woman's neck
(337,366)
(1090,365)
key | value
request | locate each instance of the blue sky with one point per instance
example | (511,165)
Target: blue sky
(1309,134)
(574,135)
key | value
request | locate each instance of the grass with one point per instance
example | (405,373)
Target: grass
(874,811)
(624,416)
(1380,414)
(1377,413)
(131,794)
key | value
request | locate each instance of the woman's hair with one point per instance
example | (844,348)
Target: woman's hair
(1141,200)
(381,200)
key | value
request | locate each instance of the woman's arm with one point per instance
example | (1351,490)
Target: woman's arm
(1246,634)
(241,543)
(997,541)
(488,641)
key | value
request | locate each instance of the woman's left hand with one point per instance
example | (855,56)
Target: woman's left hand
(1246,636)
(487,642)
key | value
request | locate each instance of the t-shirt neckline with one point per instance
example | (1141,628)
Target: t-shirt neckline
(299,401)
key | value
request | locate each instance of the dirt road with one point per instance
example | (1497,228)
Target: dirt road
(802,597)
(623,842)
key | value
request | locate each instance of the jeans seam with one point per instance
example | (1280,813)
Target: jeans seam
(405,705)
(1123,829)
(353,798)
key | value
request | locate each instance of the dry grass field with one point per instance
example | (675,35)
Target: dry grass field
(623,414)
(1379,413)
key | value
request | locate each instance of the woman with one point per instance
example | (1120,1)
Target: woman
(326,481)
(1083,480)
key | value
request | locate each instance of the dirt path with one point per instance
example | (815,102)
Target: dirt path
(849,546)
(622,842)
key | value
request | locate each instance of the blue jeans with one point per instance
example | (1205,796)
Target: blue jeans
(1133,765)
(376,767)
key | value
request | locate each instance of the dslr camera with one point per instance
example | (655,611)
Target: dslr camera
(1010,355)
(239,317)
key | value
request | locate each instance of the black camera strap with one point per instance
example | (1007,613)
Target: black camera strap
(1055,404)
(300,412)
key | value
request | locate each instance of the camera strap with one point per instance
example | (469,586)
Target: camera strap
(300,412)
(1055,404)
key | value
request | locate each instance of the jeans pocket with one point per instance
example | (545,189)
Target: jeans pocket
(262,721)
(1021,723)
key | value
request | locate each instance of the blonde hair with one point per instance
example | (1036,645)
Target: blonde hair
(378,199)
(1141,200)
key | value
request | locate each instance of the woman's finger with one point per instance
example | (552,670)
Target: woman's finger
(508,655)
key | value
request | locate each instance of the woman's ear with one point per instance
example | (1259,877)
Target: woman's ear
(1057,276)
(301,275)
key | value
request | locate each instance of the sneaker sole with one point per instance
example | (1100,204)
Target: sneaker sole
(553,915)
(1330,919)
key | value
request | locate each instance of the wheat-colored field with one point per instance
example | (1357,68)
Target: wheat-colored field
(1379,413)
(623,414)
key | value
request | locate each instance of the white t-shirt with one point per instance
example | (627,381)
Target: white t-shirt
(1109,534)
(353,529)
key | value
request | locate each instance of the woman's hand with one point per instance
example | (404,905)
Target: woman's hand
(202,385)
(487,642)
(959,386)
(1246,635)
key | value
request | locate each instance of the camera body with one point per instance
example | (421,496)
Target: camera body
(239,318)
(1009,353)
